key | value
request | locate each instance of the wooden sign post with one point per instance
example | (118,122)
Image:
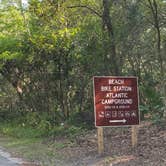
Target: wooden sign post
(134,137)
(115,104)
(100,140)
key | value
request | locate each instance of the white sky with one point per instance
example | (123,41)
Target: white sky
(25,2)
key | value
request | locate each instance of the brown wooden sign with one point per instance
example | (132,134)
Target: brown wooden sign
(115,101)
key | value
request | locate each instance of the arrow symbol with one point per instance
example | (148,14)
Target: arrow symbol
(116,121)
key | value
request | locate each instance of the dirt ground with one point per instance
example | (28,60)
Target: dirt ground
(82,149)
(150,151)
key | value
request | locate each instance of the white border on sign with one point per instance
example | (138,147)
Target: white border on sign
(137,99)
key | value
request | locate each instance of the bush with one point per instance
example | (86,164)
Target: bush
(152,103)
(66,130)
(82,119)
(19,131)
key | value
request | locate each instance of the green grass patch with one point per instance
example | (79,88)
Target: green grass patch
(19,131)
(70,132)
(35,144)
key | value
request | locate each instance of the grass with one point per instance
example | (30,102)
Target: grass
(32,150)
(33,144)
(19,131)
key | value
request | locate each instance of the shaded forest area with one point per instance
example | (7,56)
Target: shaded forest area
(51,49)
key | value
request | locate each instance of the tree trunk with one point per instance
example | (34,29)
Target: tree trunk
(107,24)
(154,9)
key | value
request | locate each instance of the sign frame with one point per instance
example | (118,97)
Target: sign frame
(94,95)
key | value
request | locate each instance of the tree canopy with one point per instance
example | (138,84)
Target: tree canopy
(51,49)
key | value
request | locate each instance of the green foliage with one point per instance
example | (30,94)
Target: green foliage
(82,119)
(68,131)
(19,131)
(144,109)
(50,50)
(152,103)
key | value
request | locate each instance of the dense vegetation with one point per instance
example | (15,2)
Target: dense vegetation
(51,49)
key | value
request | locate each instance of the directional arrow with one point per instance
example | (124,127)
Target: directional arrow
(116,121)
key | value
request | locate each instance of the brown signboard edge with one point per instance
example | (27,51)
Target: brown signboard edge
(94,99)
